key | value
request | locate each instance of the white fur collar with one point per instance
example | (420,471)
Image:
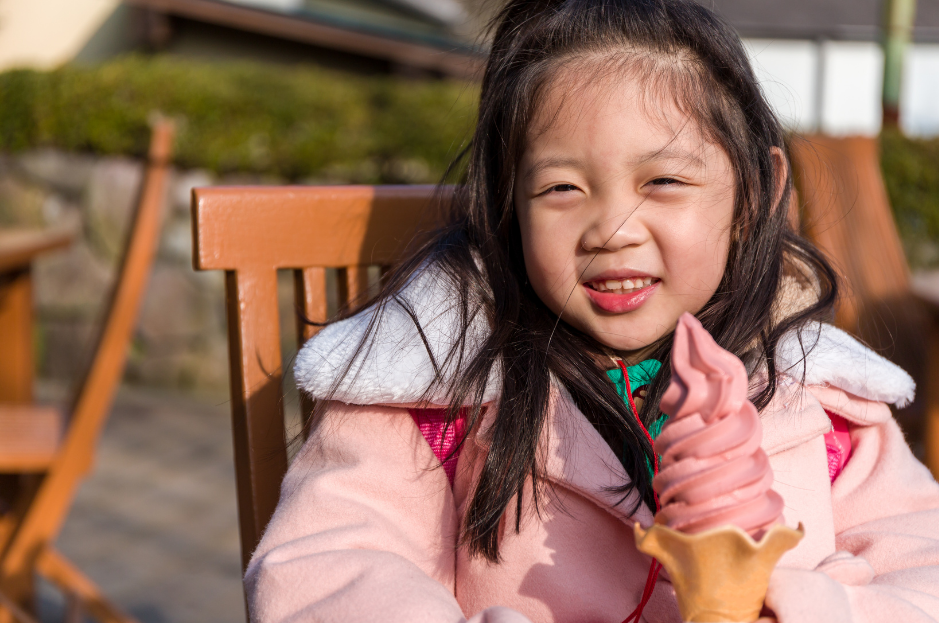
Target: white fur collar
(829,356)
(395,367)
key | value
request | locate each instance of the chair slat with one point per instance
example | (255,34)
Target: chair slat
(353,285)
(310,293)
(257,403)
(298,227)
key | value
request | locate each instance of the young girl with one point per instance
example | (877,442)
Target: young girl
(476,452)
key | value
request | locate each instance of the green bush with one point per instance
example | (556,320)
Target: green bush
(293,123)
(911,173)
(302,123)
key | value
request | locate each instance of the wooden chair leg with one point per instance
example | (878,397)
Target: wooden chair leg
(53,566)
(11,611)
(18,588)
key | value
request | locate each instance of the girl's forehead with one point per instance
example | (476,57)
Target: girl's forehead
(611,107)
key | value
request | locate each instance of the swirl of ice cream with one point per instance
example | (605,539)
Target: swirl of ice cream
(713,470)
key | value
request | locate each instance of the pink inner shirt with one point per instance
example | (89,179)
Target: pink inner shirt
(838,445)
(441,438)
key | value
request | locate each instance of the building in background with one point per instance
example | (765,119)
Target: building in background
(413,37)
(821,64)
(47,33)
(820,61)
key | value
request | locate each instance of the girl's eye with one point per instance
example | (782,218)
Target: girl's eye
(666,181)
(561,188)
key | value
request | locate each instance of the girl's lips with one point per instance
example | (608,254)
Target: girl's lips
(621,303)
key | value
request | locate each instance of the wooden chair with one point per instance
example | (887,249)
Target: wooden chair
(53,455)
(253,232)
(846,212)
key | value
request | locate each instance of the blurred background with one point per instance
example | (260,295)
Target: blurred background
(316,92)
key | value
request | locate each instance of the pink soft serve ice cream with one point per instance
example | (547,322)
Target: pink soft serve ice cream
(713,470)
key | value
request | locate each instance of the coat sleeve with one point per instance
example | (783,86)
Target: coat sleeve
(365,529)
(886,511)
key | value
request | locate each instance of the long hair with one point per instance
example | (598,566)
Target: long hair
(699,61)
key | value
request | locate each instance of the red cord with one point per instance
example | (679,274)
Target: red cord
(632,405)
(656,566)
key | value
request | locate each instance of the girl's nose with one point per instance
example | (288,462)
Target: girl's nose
(615,231)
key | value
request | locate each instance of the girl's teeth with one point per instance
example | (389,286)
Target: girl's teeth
(622,286)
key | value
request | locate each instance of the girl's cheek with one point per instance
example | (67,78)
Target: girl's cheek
(549,245)
(694,252)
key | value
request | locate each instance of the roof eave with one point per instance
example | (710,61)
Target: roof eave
(456,63)
(835,33)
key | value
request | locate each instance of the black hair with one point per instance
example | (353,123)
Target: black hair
(699,61)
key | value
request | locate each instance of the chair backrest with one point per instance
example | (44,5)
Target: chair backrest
(846,212)
(47,512)
(251,233)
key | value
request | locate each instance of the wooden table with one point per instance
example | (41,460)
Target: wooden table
(18,248)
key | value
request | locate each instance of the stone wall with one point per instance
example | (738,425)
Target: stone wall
(180,340)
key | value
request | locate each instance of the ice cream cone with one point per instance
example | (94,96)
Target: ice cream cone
(719,575)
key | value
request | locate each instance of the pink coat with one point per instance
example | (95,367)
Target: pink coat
(366,527)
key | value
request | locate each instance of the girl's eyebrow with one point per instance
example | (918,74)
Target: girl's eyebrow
(669,153)
(666,153)
(553,162)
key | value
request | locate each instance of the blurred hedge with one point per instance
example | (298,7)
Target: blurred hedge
(302,123)
(292,123)
(911,172)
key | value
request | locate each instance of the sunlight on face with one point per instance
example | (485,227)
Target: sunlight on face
(625,211)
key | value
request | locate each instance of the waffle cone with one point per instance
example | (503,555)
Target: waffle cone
(720,574)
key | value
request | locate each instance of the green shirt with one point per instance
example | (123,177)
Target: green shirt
(640,375)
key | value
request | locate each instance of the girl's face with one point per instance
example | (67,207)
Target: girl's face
(625,211)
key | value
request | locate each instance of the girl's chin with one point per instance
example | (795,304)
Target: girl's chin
(621,303)
(632,352)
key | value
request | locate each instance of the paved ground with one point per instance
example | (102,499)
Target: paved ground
(156,525)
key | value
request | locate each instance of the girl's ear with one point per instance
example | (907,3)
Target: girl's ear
(781,167)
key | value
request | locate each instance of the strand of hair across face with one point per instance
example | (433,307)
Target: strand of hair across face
(654,569)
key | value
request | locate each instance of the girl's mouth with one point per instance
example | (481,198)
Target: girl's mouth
(621,295)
